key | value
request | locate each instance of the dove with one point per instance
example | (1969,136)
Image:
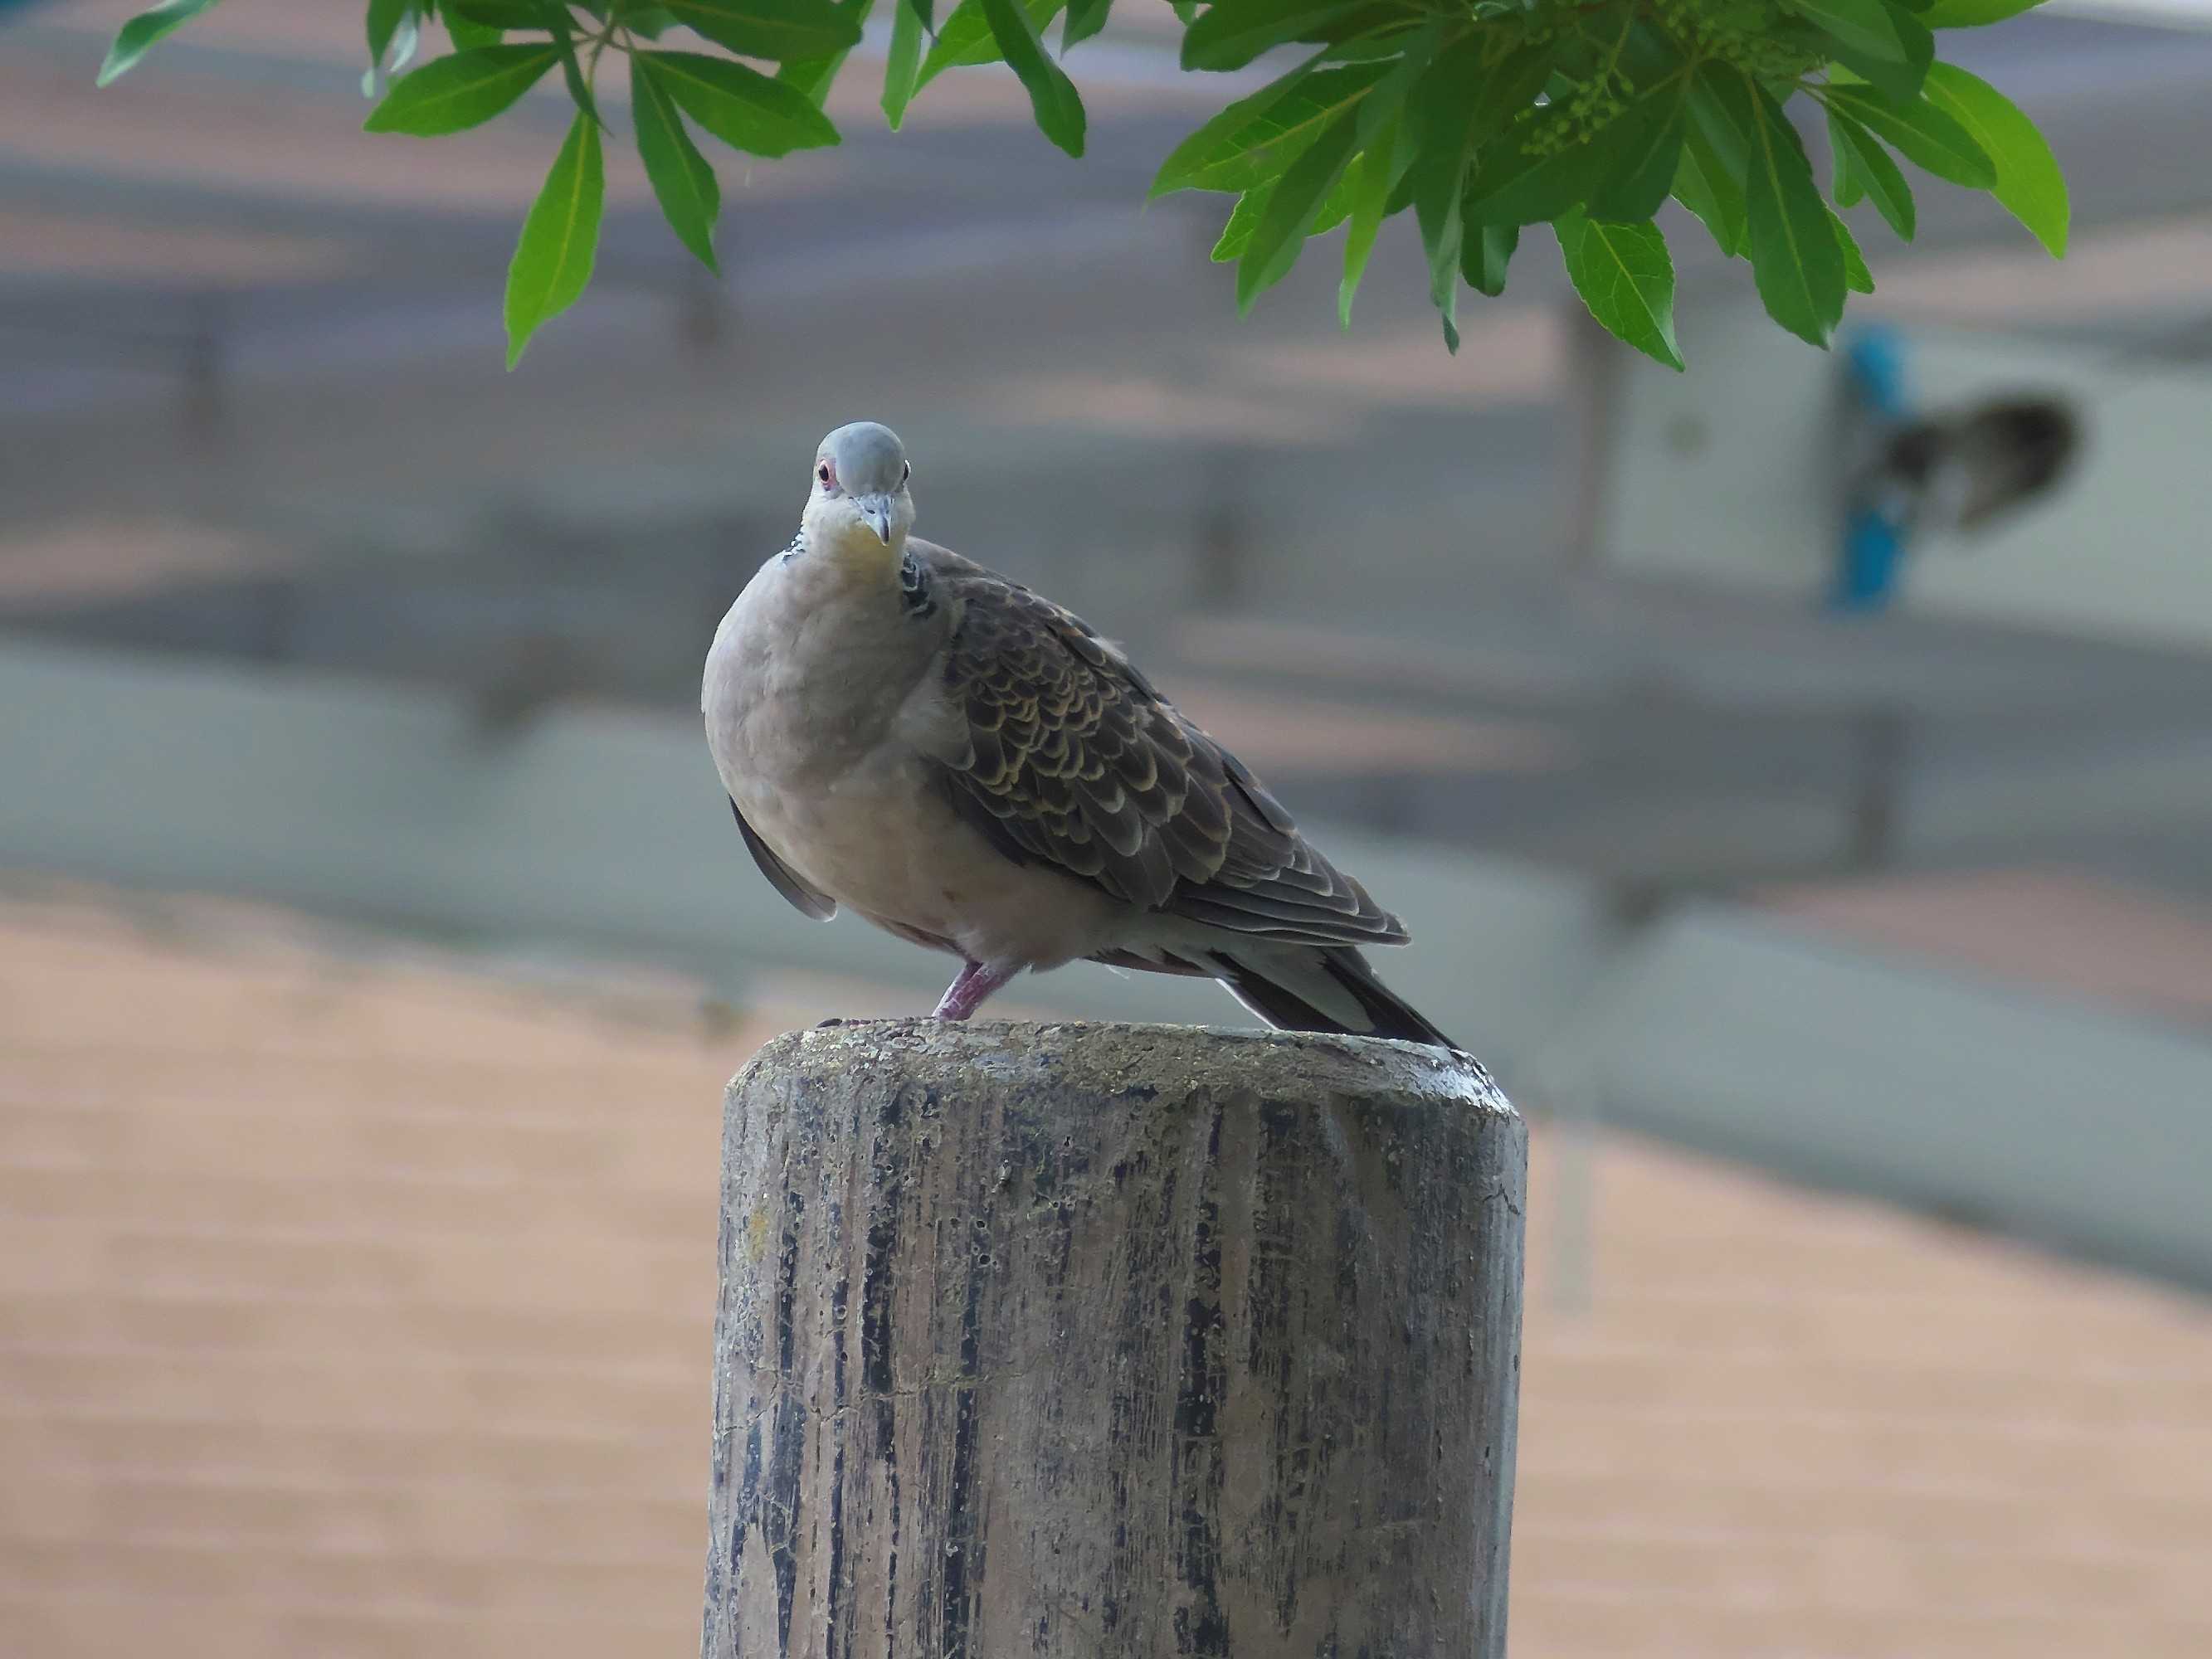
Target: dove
(909,735)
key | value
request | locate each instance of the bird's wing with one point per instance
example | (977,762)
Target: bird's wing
(1071,758)
(806,899)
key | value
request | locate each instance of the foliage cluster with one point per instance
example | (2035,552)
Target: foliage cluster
(1477,117)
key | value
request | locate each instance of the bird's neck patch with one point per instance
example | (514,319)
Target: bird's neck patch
(852,548)
(867,560)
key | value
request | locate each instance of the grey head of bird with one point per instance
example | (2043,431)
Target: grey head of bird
(859,499)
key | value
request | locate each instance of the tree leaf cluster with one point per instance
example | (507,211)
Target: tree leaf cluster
(1469,120)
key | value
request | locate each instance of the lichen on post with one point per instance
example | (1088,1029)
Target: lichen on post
(1106,1340)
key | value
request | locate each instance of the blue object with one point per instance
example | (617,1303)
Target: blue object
(1873,552)
(1875,358)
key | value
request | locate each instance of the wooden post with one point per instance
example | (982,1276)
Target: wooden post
(1082,1341)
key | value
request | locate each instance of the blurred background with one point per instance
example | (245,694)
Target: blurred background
(374,940)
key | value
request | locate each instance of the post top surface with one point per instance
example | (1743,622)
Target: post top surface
(1111,1056)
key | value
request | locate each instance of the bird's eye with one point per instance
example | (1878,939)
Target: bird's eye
(906,471)
(823,472)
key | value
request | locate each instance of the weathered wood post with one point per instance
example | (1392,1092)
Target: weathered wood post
(1079,1340)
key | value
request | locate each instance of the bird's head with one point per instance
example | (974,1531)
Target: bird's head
(860,502)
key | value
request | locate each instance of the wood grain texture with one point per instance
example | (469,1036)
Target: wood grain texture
(1107,1339)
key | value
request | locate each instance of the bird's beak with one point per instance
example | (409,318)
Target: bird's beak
(876,510)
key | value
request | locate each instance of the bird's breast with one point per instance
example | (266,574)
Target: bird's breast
(807,673)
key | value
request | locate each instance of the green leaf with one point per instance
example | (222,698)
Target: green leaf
(1259,136)
(1795,261)
(467,36)
(1414,54)
(1052,97)
(1972,14)
(1364,38)
(681,177)
(1703,184)
(1455,108)
(1256,137)
(1845,189)
(1867,24)
(1719,114)
(1891,48)
(1377,172)
(560,239)
(1633,194)
(453,93)
(1085,19)
(137,37)
(1440,116)
(1923,134)
(403,42)
(904,59)
(1625,277)
(744,108)
(2028,182)
(383,22)
(1902,81)
(968,38)
(1336,207)
(813,77)
(494,14)
(1543,171)
(1856,276)
(1530,182)
(1231,34)
(648,22)
(1485,254)
(1292,208)
(1218,138)
(777,29)
(571,66)
(1861,160)
(1243,220)
(385,19)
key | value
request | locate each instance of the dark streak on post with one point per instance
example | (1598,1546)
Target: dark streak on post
(840,1301)
(780,1522)
(1198,1403)
(929,1559)
(787,1298)
(960,1528)
(891,1548)
(963,1565)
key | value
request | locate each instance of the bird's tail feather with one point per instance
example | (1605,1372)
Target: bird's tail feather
(1313,989)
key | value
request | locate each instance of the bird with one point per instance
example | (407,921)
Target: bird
(906,734)
(1967,469)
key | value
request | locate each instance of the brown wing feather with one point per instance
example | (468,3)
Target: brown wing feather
(1074,760)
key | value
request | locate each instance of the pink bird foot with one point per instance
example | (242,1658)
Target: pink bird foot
(966,994)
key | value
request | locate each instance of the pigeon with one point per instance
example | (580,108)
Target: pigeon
(919,739)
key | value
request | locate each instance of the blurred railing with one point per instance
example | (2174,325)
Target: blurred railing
(594,831)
